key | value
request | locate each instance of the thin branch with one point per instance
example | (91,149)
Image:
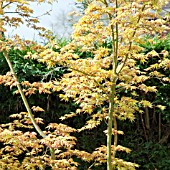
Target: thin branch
(117,42)
(50,73)
(91,166)
(112,32)
(86,74)
(6,5)
(10,12)
(120,67)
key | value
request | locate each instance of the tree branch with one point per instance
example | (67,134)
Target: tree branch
(120,67)
(6,5)
(86,74)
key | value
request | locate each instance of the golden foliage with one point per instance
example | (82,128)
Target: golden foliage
(35,149)
(92,82)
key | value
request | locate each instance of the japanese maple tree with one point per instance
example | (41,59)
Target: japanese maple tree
(97,80)
(94,82)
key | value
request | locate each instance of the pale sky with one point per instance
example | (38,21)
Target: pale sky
(52,22)
(57,21)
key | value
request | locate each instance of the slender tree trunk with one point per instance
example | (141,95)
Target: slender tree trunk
(159,127)
(26,102)
(111,119)
(109,137)
(112,116)
(144,129)
(147,122)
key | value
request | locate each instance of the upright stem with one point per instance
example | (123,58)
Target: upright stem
(115,80)
(159,133)
(147,122)
(111,118)
(26,102)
